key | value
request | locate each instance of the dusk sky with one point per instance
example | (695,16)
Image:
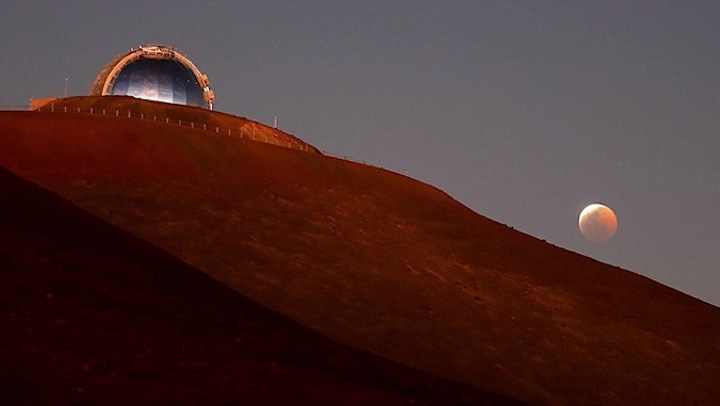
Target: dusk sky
(524,111)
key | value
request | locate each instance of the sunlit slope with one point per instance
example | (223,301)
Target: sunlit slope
(91,314)
(131,108)
(381,261)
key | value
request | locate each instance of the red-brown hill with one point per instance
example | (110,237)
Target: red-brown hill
(92,314)
(173,114)
(381,261)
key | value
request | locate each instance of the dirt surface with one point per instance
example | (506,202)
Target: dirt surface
(92,314)
(381,262)
(210,122)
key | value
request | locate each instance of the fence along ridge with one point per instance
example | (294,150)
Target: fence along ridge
(291,144)
(302,145)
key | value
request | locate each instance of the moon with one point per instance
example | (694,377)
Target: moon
(597,222)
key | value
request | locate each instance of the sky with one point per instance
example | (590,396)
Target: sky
(524,111)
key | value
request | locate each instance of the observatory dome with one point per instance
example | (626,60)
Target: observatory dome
(155,72)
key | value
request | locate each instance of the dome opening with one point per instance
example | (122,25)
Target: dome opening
(160,80)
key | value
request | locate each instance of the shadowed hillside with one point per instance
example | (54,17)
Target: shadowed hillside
(381,261)
(92,314)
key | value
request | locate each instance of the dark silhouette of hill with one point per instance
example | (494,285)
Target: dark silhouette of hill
(92,314)
(381,262)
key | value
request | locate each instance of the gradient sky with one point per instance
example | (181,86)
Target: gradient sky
(524,111)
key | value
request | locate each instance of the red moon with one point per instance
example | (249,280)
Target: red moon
(597,222)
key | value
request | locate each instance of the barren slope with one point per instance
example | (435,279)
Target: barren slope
(381,261)
(128,107)
(92,314)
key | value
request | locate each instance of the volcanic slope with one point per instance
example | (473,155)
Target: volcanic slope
(90,313)
(380,261)
(173,114)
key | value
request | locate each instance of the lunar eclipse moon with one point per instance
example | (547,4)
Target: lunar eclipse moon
(597,222)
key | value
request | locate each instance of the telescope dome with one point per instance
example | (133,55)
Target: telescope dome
(157,73)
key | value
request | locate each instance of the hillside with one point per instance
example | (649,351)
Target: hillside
(92,314)
(173,114)
(380,261)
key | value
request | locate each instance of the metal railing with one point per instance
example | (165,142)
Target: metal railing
(295,144)
(251,135)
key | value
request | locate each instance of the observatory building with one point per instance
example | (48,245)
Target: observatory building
(155,72)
